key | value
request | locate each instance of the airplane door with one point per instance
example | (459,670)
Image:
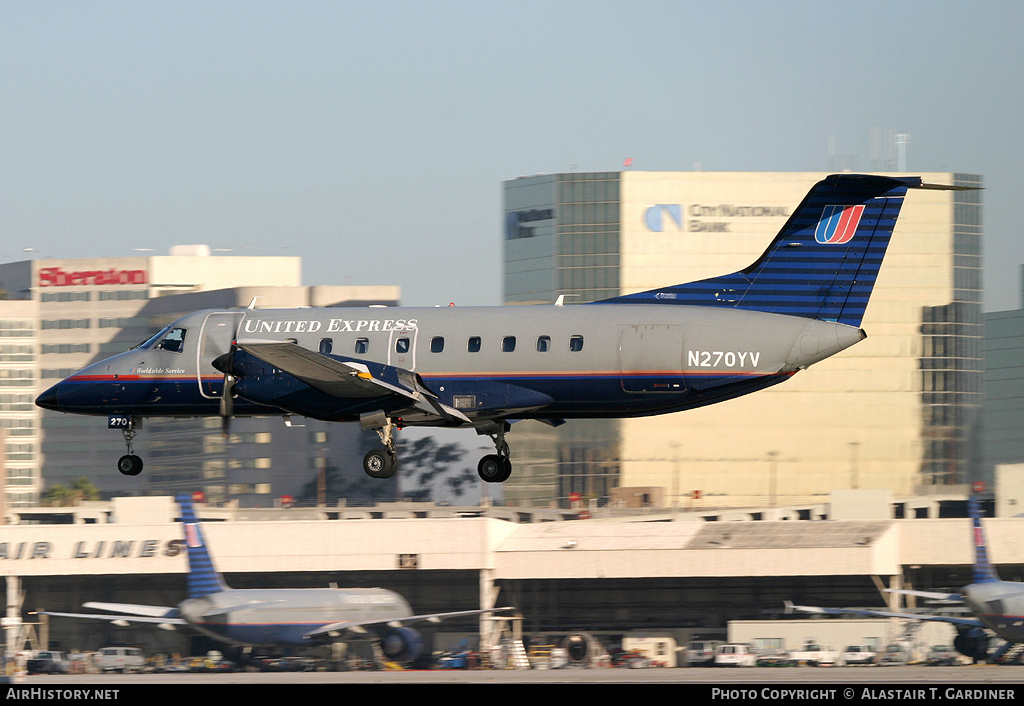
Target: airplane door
(651,358)
(402,347)
(215,339)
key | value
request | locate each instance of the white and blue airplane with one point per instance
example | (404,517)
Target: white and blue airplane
(280,617)
(654,352)
(997,605)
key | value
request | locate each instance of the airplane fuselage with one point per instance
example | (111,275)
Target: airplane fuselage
(544,362)
(1000,606)
(283,616)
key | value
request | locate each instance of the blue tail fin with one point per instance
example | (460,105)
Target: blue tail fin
(984,572)
(821,265)
(203,578)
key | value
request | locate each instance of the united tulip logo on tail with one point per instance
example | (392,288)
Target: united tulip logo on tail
(838,224)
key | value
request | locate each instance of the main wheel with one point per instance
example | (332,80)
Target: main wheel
(494,468)
(379,463)
(129,465)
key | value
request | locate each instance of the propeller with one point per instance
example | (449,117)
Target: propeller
(224,363)
(227,404)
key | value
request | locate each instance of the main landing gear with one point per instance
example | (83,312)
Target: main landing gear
(129,464)
(496,468)
(382,462)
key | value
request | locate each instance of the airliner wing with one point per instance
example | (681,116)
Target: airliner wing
(350,377)
(358,626)
(933,595)
(972,622)
(129,613)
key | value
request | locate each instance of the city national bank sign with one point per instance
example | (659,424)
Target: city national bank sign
(658,218)
(704,218)
(57,277)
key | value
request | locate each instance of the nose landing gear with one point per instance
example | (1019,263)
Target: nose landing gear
(129,464)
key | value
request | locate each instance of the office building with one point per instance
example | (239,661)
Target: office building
(892,412)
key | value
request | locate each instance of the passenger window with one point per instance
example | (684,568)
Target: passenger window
(174,341)
(362,345)
(543,344)
(402,345)
(474,344)
(508,344)
(576,343)
(437,344)
(326,346)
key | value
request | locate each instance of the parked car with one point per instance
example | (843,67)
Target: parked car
(776,658)
(701,653)
(892,656)
(945,655)
(735,654)
(815,654)
(859,654)
(121,659)
(48,662)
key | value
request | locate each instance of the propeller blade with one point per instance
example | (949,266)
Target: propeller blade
(227,404)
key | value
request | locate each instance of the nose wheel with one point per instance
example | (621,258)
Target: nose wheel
(129,464)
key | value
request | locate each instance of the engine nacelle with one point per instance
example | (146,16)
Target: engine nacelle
(972,642)
(401,644)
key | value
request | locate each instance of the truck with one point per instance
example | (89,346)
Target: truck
(48,662)
(121,659)
(815,654)
(736,654)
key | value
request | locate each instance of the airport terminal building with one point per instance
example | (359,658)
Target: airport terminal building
(893,411)
(669,575)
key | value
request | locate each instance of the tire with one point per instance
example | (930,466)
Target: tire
(494,468)
(129,465)
(378,463)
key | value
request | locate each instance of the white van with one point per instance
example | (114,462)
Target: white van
(121,659)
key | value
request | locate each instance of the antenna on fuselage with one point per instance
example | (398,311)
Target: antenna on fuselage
(252,304)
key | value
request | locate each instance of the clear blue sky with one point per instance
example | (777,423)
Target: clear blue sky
(371,139)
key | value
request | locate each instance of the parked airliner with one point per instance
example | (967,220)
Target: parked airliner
(277,617)
(998,605)
(653,352)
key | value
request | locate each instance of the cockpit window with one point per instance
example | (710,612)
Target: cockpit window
(152,339)
(174,341)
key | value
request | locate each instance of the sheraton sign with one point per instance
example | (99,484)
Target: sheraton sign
(56,277)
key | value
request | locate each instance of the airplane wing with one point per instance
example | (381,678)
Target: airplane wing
(153,611)
(122,618)
(933,595)
(972,622)
(358,626)
(128,613)
(351,378)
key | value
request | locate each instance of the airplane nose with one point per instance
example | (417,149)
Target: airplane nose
(48,400)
